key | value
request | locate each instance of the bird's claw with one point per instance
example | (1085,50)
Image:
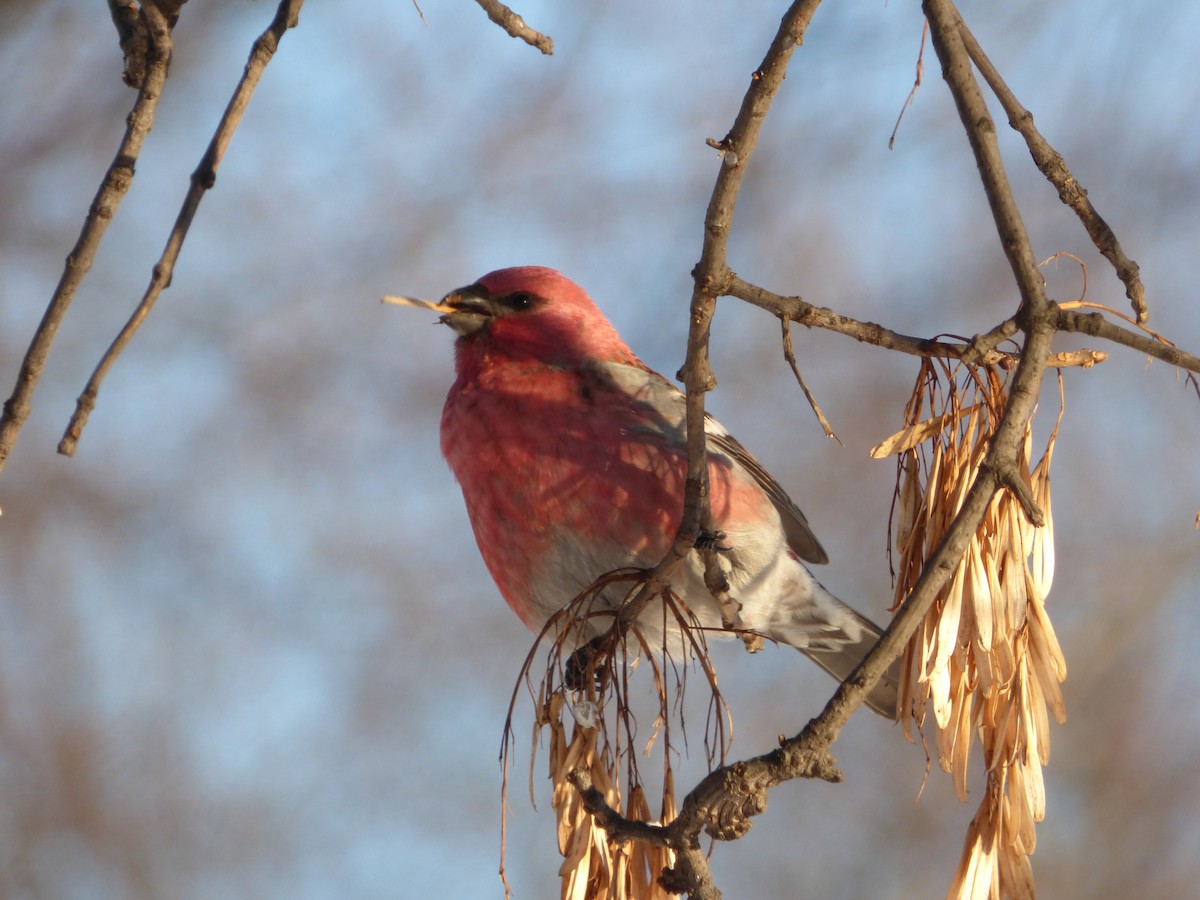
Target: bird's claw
(576,668)
(712,540)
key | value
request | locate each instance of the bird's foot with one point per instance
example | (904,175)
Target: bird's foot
(712,540)
(576,669)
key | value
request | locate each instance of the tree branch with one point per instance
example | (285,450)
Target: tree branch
(981,133)
(1051,164)
(712,274)
(1098,326)
(724,802)
(979,349)
(515,25)
(287,15)
(690,875)
(113,188)
(133,38)
(790,355)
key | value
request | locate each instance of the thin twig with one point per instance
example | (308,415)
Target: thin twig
(515,25)
(1069,359)
(790,355)
(113,188)
(984,345)
(916,85)
(286,16)
(1054,167)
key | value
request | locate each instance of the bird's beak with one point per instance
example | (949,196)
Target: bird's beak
(466,310)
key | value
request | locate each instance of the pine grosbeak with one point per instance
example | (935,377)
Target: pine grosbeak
(571,456)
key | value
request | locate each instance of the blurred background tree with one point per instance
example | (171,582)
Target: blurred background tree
(247,647)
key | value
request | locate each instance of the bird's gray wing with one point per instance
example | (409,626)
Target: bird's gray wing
(668,407)
(799,533)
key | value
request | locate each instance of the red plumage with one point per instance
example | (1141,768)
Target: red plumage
(571,457)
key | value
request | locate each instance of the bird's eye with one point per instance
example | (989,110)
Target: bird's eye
(520,300)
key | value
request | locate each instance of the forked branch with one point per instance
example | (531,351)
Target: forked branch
(1051,164)
(724,802)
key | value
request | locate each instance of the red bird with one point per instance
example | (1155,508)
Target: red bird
(571,456)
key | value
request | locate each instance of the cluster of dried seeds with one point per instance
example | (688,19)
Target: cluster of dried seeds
(985,661)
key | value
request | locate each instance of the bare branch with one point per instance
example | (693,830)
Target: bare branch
(133,38)
(1054,167)
(712,272)
(980,348)
(1096,325)
(803,313)
(724,801)
(515,25)
(690,875)
(111,192)
(1083,359)
(1036,310)
(981,344)
(1009,475)
(616,825)
(981,132)
(287,15)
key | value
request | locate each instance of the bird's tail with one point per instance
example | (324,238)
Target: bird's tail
(838,645)
(839,659)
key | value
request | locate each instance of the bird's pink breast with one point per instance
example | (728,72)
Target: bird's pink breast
(551,458)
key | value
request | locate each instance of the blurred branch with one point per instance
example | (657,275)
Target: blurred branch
(920,74)
(287,15)
(1054,167)
(133,36)
(111,192)
(515,25)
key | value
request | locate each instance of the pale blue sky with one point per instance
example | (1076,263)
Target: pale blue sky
(255,588)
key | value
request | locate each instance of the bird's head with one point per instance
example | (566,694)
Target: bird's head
(532,313)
